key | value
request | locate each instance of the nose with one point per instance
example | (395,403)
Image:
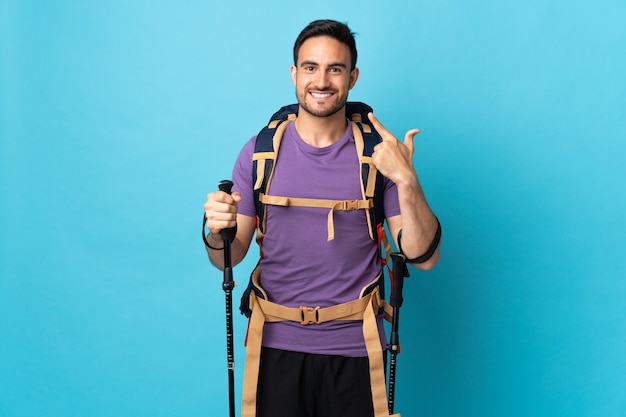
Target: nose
(323,80)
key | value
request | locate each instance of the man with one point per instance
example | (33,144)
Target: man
(321,369)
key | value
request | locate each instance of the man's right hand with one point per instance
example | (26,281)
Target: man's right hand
(220,209)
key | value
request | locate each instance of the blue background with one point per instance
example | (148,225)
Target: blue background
(118,117)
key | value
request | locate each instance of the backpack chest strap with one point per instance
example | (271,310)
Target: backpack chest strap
(333,205)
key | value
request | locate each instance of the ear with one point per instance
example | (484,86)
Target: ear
(354,75)
(294,72)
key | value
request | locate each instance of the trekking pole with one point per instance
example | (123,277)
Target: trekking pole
(228,235)
(399,272)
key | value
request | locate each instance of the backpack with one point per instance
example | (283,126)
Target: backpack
(254,302)
(266,149)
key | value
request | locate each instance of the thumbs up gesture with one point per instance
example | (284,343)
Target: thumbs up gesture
(394,159)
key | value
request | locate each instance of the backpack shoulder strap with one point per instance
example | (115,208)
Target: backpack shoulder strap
(265,153)
(366,138)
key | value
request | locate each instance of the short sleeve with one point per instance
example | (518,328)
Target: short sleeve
(390,199)
(242,179)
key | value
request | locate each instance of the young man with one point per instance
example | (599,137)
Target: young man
(321,369)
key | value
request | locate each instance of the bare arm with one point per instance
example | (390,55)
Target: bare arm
(220,209)
(394,159)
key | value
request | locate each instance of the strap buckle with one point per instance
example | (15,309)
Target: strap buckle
(310,315)
(350,205)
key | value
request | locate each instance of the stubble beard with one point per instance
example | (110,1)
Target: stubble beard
(327,112)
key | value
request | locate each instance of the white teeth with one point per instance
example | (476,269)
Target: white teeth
(321,95)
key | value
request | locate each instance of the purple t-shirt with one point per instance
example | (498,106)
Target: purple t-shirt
(300,266)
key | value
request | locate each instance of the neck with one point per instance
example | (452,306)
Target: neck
(321,131)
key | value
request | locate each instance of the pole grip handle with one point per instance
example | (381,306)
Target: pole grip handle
(230,233)
(400,271)
(226,186)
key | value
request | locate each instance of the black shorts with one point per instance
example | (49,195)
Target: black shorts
(294,384)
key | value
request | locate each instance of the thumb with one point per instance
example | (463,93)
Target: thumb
(409,137)
(236,196)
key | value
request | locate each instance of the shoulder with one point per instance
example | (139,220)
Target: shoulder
(242,178)
(243,163)
(245,154)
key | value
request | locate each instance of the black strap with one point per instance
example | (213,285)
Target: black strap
(206,237)
(431,249)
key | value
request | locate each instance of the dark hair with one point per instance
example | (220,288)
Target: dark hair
(336,30)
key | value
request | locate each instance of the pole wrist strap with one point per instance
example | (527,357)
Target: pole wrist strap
(431,249)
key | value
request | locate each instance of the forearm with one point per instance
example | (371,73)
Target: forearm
(216,253)
(418,223)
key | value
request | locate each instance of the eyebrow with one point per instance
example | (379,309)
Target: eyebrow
(334,64)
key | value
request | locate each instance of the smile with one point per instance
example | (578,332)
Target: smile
(321,95)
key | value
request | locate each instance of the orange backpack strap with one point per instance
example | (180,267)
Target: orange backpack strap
(266,149)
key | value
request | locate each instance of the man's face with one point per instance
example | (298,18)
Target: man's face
(322,76)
